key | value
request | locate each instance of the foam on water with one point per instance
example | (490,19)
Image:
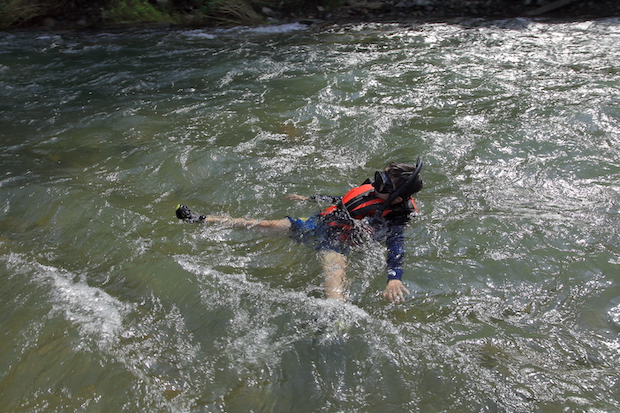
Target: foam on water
(97,315)
(269,29)
(113,305)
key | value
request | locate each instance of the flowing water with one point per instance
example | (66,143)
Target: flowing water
(110,304)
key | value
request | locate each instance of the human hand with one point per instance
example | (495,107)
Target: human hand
(395,291)
(295,197)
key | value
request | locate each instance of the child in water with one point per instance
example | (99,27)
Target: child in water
(380,208)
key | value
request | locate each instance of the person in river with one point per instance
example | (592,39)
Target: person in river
(379,209)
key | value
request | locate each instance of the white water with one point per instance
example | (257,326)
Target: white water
(111,304)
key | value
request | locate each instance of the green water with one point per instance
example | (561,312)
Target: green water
(110,304)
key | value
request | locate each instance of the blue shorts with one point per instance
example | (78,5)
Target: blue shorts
(317,232)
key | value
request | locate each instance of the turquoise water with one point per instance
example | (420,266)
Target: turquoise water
(110,304)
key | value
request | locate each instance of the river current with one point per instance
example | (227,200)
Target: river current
(110,304)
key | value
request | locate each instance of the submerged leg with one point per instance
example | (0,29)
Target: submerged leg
(334,265)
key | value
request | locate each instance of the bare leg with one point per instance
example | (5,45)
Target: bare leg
(187,215)
(276,224)
(334,265)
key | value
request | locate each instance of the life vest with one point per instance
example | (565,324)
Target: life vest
(362,202)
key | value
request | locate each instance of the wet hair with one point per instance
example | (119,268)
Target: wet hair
(399,172)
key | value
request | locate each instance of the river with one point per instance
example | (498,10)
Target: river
(110,304)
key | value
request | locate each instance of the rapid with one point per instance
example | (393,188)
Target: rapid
(110,304)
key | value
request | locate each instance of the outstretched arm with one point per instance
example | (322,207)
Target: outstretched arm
(395,290)
(317,197)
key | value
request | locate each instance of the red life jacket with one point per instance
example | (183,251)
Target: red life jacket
(362,202)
